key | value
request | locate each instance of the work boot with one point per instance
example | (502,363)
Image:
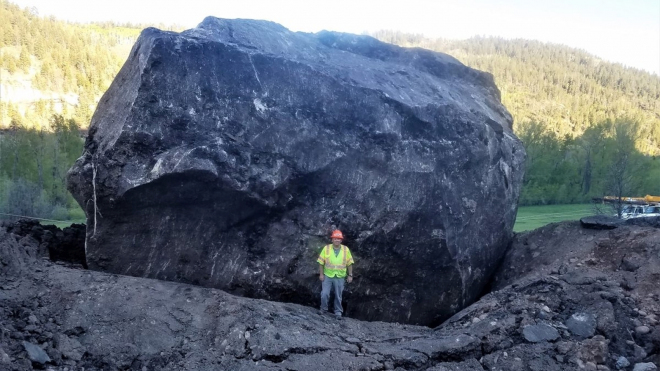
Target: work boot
(338,316)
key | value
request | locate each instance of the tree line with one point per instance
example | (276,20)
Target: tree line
(74,62)
(565,90)
(604,160)
(33,167)
(41,139)
(590,128)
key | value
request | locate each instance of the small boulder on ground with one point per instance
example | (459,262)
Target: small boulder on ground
(594,350)
(35,353)
(600,222)
(70,348)
(631,262)
(648,366)
(582,325)
(540,332)
(622,362)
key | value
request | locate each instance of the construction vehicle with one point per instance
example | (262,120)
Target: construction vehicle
(635,207)
(632,200)
(639,211)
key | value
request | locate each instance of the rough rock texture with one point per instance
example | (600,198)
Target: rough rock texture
(601,222)
(224,156)
(41,241)
(582,325)
(645,367)
(540,332)
(611,267)
(36,354)
(99,321)
(63,245)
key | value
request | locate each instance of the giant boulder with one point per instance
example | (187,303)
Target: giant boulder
(224,155)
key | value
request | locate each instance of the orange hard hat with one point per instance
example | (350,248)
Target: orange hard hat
(337,234)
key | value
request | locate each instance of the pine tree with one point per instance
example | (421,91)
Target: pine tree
(24,60)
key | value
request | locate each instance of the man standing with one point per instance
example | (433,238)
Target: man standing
(334,260)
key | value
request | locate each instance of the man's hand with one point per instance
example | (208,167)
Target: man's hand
(349,279)
(321,277)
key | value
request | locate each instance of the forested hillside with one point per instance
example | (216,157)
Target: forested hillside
(564,89)
(590,127)
(51,66)
(33,165)
(52,74)
(570,109)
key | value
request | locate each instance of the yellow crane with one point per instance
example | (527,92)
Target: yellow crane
(648,199)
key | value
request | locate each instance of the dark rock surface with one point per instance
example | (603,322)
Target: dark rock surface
(601,222)
(64,245)
(647,366)
(540,332)
(632,262)
(223,156)
(621,363)
(40,241)
(582,324)
(99,321)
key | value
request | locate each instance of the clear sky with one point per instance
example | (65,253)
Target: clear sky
(623,31)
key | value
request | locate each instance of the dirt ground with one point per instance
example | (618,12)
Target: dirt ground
(566,298)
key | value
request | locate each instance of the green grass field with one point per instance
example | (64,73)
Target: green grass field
(75,215)
(64,224)
(532,217)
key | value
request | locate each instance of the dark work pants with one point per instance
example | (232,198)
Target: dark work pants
(336,284)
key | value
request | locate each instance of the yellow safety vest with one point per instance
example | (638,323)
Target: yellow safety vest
(335,266)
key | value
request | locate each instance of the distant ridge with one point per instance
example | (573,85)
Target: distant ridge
(567,90)
(51,66)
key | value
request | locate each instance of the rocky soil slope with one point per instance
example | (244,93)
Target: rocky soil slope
(579,299)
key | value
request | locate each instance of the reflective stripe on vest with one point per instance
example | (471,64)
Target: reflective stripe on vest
(327,258)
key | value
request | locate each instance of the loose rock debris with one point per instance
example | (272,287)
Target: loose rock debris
(557,316)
